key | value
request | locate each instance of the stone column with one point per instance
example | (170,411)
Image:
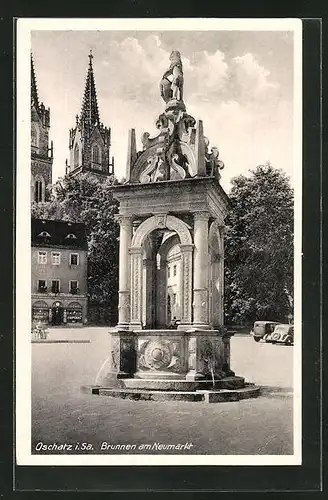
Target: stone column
(65,316)
(215,287)
(201,319)
(147,295)
(186,286)
(161,292)
(222,232)
(124,271)
(136,288)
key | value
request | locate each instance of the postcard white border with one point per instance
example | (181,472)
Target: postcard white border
(23,237)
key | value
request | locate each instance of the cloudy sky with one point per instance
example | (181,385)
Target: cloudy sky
(240,83)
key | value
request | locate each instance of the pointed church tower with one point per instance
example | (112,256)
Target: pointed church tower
(89,140)
(41,154)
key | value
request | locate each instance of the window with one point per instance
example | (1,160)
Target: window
(70,236)
(42,257)
(174,270)
(42,286)
(76,156)
(95,154)
(44,234)
(74,259)
(168,272)
(55,286)
(74,287)
(174,298)
(55,257)
(34,136)
(39,191)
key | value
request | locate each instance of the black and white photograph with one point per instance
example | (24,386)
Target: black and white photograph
(158,242)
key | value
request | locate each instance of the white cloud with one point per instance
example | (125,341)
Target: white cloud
(251,79)
(207,73)
(235,97)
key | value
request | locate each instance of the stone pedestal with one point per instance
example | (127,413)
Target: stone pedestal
(169,354)
(122,360)
(164,365)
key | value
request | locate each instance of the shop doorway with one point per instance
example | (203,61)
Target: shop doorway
(57,314)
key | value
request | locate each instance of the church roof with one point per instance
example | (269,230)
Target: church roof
(34,88)
(89,112)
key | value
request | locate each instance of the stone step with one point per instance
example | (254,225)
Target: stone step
(207,396)
(183,385)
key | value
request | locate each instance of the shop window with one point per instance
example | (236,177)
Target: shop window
(40,312)
(42,257)
(74,313)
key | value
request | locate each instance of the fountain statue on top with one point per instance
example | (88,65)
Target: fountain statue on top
(171,85)
(180,150)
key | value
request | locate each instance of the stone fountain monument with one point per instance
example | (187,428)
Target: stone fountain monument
(171,199)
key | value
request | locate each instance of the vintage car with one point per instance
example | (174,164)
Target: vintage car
(262,328)
(282,334)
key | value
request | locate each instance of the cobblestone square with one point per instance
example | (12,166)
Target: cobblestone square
(62,414)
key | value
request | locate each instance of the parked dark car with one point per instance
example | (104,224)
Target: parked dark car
(282,334)
(262,328)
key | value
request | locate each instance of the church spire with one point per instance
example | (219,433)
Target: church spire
(89,112)
(34,89)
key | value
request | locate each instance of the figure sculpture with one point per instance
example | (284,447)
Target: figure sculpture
(171,85)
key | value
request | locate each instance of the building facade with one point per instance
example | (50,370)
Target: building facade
(59,272)
(90,140)
(41,153)
(173,283)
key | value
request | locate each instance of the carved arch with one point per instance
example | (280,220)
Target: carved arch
(168,244)
(160,222)
(215,240)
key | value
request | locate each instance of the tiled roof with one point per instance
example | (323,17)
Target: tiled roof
(53,233)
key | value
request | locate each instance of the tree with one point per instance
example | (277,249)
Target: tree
(86,199)
(259,247)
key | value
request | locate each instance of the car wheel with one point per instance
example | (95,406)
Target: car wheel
(257,339)
(275,337)
(288,341)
